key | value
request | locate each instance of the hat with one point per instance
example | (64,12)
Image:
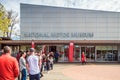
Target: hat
(32,49)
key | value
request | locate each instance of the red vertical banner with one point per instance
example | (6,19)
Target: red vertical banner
(71,51)
(32,44)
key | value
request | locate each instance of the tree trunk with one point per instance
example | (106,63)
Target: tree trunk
(7,34)
(11,30)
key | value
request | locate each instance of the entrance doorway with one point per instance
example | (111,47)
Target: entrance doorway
(77,53)
(52,48)
(89,52)
(64,52)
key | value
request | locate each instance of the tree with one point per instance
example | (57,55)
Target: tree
(13,16)
(4,21)
(8,19)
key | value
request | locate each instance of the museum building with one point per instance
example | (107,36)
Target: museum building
(95,32)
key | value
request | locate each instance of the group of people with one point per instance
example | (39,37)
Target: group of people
(30,62)
(36,63)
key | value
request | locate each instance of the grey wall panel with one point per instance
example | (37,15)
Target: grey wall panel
(52,23)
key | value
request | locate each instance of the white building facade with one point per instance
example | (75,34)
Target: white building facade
(39,22)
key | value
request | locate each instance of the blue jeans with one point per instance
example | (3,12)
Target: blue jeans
(35,77)
(24,74)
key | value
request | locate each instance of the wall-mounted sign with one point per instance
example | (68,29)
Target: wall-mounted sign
(58,35)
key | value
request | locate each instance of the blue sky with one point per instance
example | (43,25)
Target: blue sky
(106,5)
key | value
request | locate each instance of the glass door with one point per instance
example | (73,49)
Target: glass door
(76,53)
(89,52)
(106,53)
(66,53)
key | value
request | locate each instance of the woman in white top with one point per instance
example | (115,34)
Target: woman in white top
(22,62)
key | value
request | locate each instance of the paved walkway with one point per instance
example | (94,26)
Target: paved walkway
(77,71)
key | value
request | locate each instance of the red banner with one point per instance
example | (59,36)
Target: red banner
(32,44)
(71,52)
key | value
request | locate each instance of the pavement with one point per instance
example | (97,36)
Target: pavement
(90,71)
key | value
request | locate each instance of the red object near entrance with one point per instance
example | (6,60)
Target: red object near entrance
(71,52)
(83,59)
(32,44)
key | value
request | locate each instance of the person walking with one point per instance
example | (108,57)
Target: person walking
(22,63)
(9,68)
(83,58)
(56,56)
(33,64)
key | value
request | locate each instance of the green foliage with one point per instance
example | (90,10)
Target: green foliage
(7,21)
(4,23)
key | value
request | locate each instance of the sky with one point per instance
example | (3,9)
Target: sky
(105,5)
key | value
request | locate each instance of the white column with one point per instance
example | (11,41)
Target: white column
(118,47)
(63,53)
(95,54)
(80,53)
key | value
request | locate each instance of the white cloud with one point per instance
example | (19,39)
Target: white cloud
(110,5)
